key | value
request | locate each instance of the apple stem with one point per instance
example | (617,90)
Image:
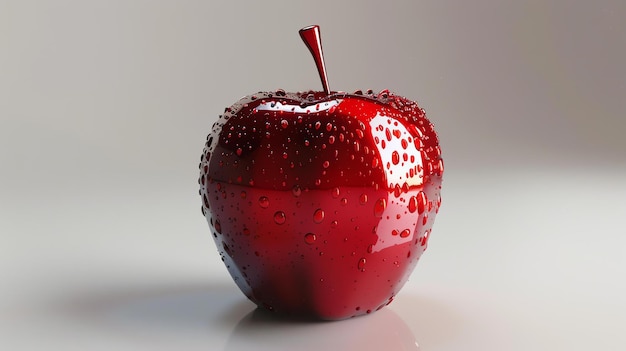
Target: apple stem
(311,37)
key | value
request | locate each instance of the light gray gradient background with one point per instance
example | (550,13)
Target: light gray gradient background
(104,107)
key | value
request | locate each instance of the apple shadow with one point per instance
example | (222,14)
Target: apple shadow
(217,316)
(203,313)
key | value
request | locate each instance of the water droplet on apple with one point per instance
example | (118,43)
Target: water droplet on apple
(279,217)
(226,249)
(264,202)
(363,199)
(361,264)
(360,134)
(326,164)
(412,204)
(284,123)
(395,157)
(424,239)
(310,238)
(379,207)
(397,190)
(421,202)
(296,190)
(218,226)
(318,215)
(375,163)
(405,233)
(335,193)
(404,143)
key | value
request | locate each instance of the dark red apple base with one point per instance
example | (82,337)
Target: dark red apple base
(342,264)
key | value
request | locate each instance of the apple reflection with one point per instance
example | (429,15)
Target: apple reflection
(263,330)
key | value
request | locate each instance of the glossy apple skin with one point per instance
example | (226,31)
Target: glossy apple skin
(321,205)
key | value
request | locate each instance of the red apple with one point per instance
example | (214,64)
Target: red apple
(321,203)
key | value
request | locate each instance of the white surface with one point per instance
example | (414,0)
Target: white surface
(517,261)
(105,104)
